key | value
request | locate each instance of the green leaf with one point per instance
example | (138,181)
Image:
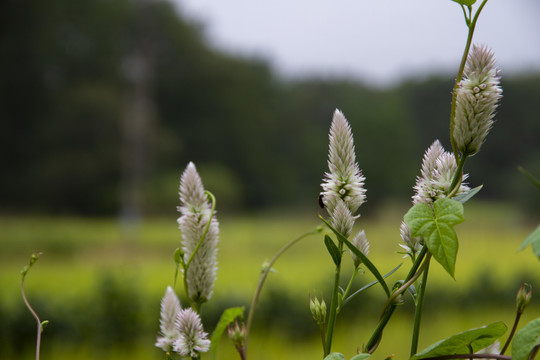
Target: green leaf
(360,357)
(462,343)
(466,196)
(333,250)
(228,316)
(465,2)
(526,340)
(361,256)
(534,240)
(435,225)
(334,356)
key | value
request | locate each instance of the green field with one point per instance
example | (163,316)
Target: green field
(81,255)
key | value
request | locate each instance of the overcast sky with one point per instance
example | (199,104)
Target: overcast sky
(380,41)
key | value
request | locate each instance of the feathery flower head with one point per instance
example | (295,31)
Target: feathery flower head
(192,196)
(192,340)
(344,181)
(361,242)
(342,220)
(197,221)
(412,245)
(477,98)
(170,308)
(438,169)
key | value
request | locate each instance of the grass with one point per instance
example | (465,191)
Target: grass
(78,252)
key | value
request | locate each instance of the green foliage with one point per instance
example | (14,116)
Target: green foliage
(465,2)
(435,225)
(372,268)
(526,340)
(228,317)
(335,356)
(467,342)
(339,356)
(534,240)
(466,196)
(332,250)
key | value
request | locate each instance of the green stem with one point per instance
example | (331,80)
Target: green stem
(365,287)
(333,305)
(373,342)
(346,292)
(458,176)
(512,333)
(39,329)
(418,310)
(391,303)
(262,280)
(471,26)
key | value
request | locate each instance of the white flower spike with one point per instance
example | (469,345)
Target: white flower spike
(477,98)
(192,340)
(438,169)
(343,186)
(196,217)
(170,308)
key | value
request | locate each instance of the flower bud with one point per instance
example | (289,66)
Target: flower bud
(237,333)
(318,310)
(523,297)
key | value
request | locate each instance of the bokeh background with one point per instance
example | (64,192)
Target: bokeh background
(103,104)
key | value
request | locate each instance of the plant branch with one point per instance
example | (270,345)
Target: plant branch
(512,332)
(418,310)
(40,325)
(333,305)
(458,176)
(391,303)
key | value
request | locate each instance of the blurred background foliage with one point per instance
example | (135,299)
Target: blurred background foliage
(103,103)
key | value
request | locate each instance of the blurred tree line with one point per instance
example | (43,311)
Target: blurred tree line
(103,103)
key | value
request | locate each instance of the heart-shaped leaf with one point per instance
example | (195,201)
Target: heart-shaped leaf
(435,225)
(462,343)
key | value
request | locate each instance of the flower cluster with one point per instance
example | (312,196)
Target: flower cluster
(438,170)
(181,330)
(200,233)
(343,186)
(477,97)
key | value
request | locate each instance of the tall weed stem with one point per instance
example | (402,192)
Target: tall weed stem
(418,310)
(334,304)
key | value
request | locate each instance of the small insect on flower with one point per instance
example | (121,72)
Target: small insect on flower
(321,202)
